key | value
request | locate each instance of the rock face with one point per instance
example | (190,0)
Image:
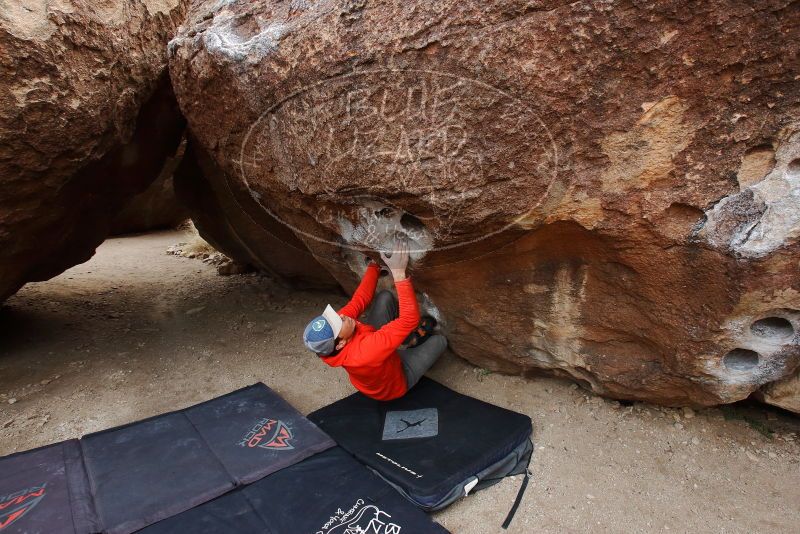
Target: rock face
(87,120)
(260,242)
(155,208)
(784,393)
(608,192)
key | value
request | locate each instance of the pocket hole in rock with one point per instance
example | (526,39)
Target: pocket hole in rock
(772,328)
(384,213)
(740,359)
(793,169)
(411,223)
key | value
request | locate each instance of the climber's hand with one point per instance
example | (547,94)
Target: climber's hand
(397,261)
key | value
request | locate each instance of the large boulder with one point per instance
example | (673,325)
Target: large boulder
(87,120)
(603,191)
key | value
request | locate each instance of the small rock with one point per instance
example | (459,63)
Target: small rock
(678,426)
(12,400)
(688,413)
(45,382)
(751,456)
(233,267)
(195,310)
(8,423)
(772,455)
(695,441)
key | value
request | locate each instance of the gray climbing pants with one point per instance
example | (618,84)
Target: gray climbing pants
(416,360)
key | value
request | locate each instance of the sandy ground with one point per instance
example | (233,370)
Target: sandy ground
(135,332)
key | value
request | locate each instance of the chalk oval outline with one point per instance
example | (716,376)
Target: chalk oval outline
(387,70)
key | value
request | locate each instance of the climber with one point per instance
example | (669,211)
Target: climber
(370,351)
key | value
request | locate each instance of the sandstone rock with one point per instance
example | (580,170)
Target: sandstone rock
(233,267)
(605,192)
(250,237)
(87,119)
(784,393)
(156,207)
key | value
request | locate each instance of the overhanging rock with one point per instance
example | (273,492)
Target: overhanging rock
(577,180)
(87,120)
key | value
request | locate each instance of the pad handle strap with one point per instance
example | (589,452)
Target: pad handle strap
(520,493)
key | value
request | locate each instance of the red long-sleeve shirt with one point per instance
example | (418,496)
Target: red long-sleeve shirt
(370,356)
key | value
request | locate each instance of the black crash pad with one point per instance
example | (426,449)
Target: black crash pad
(328,493)
(45,490)
(431,442)
(123,479)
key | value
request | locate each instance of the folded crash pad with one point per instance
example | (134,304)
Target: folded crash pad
(329,493)
(433,445)
(123,479)
(45,491)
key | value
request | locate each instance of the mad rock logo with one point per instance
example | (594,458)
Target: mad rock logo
(16,505)
(268,434)
(360,519)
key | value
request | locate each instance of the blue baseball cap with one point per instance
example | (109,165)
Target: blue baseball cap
(320,334)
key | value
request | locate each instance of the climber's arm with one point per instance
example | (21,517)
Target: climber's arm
(364,293)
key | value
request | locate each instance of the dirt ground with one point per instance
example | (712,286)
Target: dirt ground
(136,332)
